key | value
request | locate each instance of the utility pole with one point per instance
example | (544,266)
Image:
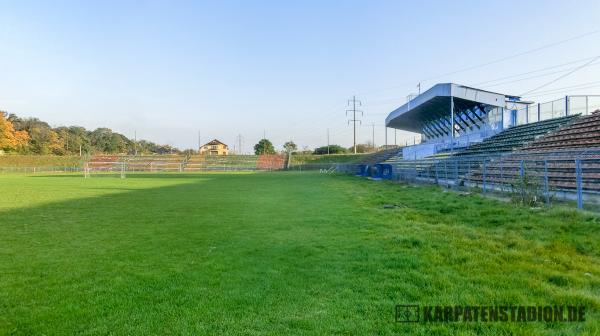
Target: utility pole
(373,136)
(354,120)
(199,143)
(373,141)
(239,140)
(135,142)
(328,141)
(385,137)
(419,86)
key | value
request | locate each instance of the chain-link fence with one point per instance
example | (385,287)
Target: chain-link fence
(561,177)
(41,169)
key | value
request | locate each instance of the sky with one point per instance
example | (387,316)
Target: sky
(169,71)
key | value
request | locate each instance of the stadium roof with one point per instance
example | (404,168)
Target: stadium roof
(435,103)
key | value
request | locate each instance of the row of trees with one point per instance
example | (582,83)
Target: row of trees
(33,136)
(264,146)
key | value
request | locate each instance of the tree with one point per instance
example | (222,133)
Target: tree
(10,139)
(79,137)
(31,135)
(42,139)
(290,147)
(333,149)
(264,146)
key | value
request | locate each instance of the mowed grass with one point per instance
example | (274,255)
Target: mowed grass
(278,254)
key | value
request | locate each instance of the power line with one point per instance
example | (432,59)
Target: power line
(562,76)
(532,77)
(516,55)
(534,71)
(582,86)
(395,100)
(499,60)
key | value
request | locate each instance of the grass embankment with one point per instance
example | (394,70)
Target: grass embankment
(331,158)
(280,254)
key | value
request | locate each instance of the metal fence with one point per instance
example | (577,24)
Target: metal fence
(41,169)
(561,177)
(568,105)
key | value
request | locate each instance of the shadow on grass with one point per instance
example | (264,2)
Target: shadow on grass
(122,262)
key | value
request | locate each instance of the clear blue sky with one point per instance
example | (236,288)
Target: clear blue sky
(167,69)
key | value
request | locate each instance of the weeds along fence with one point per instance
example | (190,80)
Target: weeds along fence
(42,169)
(560,177)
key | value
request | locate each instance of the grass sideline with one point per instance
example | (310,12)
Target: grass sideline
(278,253)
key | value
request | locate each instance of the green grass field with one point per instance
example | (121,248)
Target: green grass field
(278,254)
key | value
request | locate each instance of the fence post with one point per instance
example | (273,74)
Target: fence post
(587,111)
(522,173)
(416,172)
(484,175)
(522,169)
(579,184)
(456,174)
(501,176)
(467,170)
(446,171)
(546,191)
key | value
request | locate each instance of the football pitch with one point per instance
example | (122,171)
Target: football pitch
(279,254)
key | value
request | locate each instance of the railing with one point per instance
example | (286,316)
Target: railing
(569,105)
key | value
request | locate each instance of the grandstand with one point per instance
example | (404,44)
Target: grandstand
(514,137)
(582,133)
(220,162)
(149,163)
(473,137)
(553,159)
(154,163)
(181,163)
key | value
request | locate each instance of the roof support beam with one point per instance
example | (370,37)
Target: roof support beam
(428,132)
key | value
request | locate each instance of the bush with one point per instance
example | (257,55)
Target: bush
(333,149)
